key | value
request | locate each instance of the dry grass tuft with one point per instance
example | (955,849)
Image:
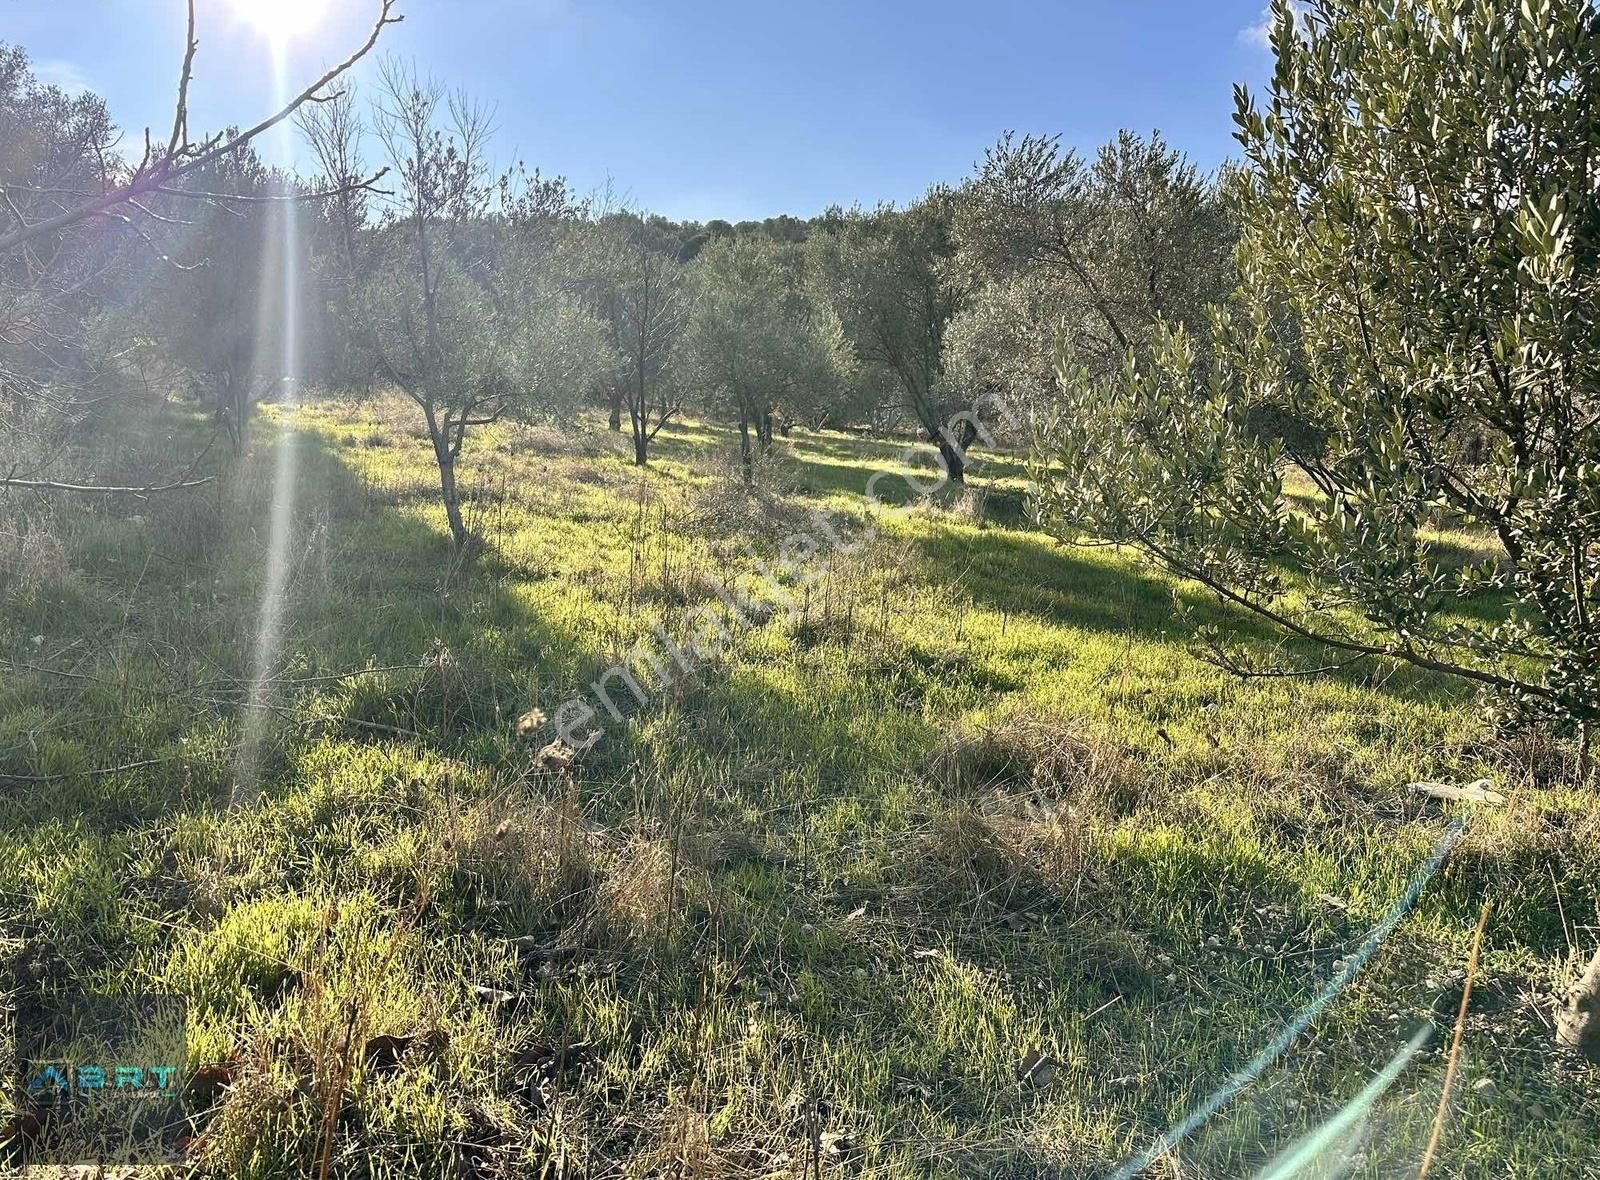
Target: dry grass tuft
(650,883)
(1531,756)
(1012,856)
(536,854)
(725,506)
(982,507)
(1049,759)
(970,506)
(536,439)
(1034,790)
(387,412)
(964,858)
(727,848)
(258,1107)
(446,692)
(1057,841)
(33,559)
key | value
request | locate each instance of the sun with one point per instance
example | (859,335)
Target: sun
(281,21)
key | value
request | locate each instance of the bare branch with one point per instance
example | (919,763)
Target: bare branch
(284,198)
(180,117)
(151,176)
(48,485)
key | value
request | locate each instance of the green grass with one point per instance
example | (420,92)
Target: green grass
(976,799)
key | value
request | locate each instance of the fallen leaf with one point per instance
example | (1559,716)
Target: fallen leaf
(382,1054)
(1036,1069)
(208,1083)
(24,1128)
(836,1143)
(548,1060)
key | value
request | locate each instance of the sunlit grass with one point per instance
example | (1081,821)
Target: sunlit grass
(979,799)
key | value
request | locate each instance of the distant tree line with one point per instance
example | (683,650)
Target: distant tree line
(1379,325)
(485,294)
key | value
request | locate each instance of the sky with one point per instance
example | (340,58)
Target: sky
(707,108)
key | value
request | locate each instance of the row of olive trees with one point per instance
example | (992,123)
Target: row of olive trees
(465,307)
(952,305)
(484,296)
(915,315)
(138,298)
(1095,253)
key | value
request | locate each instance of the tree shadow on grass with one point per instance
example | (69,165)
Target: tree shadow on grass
(820,463)
(1028,574)
(1032,574)
(369,586)
(1022,572)
(157,651)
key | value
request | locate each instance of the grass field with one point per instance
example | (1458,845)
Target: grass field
(966,866)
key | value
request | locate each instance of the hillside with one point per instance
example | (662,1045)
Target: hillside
(963,866)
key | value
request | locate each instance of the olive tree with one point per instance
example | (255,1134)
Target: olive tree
(335,131)
(1097,251)
(882,273)
(460,307)
(754,342)
(636,287)
(68,201)
(1418,293)
(48,287)
(211,306)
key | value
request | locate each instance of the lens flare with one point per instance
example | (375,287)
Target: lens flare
(1302,1019)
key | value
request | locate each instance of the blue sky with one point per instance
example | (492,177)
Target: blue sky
(716,108)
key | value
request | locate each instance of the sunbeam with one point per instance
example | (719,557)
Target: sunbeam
(269,625)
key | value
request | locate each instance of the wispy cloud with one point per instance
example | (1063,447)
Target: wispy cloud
(59,72)
(1259,34)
